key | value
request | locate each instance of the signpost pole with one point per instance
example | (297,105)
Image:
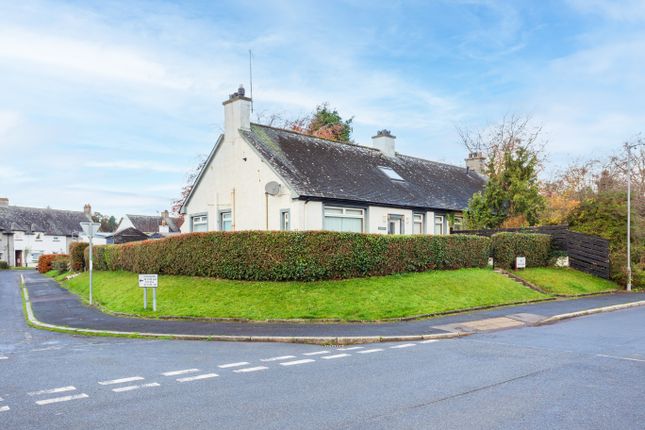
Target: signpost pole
(91,265)
(145,298)
(154,299)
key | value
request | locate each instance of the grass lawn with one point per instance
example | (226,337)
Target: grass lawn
(565,281)
(352,299)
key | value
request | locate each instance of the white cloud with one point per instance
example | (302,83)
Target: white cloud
(140,165)
(624,10)
(93,59)
(9,120)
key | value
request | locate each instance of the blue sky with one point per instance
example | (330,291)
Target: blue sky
(112,103)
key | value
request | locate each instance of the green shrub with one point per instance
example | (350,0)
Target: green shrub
(76,252)
(4,265)
(281,256)
(506,246)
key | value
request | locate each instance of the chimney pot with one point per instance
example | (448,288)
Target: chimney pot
(476,162)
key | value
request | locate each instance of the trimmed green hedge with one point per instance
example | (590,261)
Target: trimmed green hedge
(76,254)
(281,256)
(506,246)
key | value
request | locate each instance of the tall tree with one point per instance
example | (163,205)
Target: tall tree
(191,177)
(108,222)
(514,157)
(323,122)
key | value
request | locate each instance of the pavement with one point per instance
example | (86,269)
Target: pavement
(583,373)
(52,304)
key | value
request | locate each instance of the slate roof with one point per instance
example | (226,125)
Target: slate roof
(151,223)
(129,235)
(53,222)
(323,169)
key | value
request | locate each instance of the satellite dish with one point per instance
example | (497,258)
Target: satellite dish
(272,188)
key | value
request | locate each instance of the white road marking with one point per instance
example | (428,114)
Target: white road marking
(351,348)
(622,358)
(180,372)
(135,387)
(250,369)
(296,362)
(331,357)
(2,357)
(369,351)
(316,353)
(4,408)
(122,380)
(429,341)
(52,391)
(62,399)
(238,364)
(49,348)
(403,345)
(198,377)
(283,357)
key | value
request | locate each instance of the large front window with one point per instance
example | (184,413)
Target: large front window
(200,223)
(344,219)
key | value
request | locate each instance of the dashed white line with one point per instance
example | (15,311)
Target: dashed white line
(622,358)
(122,380)
(250,369)
(429,341)
(316,353)
(369,351)
(351,348)
(331,357)
(282,357)
(62,399)
(52,391)
(179,372)
(403,345)
(238,364)
(2,357)
(49,348)
(296,362)
(198,377)
(135,387)
(4,408)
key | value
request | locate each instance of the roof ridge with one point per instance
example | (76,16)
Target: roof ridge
(314,137)
(42,209)
(431,161)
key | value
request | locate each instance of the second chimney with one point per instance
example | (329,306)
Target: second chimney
(476,162)
(384,142)
(4,201)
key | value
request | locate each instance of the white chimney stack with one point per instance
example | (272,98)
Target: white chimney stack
(4,201)
(476,162)
(237,112)
(384,142)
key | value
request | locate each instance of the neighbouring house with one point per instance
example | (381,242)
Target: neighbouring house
(27,233)
(134,228)
(263,178)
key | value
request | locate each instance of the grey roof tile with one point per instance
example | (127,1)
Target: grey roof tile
(323,169)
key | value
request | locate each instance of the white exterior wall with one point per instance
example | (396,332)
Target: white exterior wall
(34,245)
(230,183)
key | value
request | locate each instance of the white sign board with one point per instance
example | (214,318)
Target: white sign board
(90,228)
(520,262)
(148,281)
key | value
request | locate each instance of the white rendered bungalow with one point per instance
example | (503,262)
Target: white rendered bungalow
(263,178)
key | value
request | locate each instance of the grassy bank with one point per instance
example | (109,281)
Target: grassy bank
(566,281)
(352,299)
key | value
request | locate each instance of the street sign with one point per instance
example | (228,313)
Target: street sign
(520,262)
(90,228)
(148,281)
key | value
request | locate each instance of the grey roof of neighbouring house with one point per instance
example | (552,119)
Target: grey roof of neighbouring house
(54,222)
(151,223)
(327,170)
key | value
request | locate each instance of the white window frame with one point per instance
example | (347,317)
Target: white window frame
(198,219)
(441,224)
(416,216)
(285,219)
(344,212)
(460,223)
(221,219)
